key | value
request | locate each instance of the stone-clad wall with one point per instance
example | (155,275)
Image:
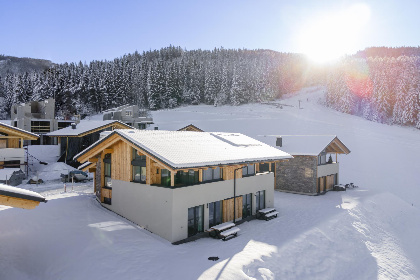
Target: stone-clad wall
(297,175)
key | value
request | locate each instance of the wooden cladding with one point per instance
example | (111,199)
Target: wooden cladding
(325,183)
(228,172)
(121,162)
(106,193)
(228,205)
(329,182)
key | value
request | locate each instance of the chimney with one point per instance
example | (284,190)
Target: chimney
(156,128)
(279,142)
(73,125)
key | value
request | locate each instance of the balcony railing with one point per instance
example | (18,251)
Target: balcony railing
(328,169)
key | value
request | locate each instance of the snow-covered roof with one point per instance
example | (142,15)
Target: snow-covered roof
(84,165)
(6,173)
(311,145)
(187,149)
(7,126)
(83,127)
(20,193)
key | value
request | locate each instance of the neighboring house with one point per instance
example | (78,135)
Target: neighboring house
(128,114)
(39,117)
(179,183)
(20,198)
(12,154)
(314,168)
(190,127)
(77,137)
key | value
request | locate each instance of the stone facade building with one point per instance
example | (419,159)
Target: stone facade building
(312,170)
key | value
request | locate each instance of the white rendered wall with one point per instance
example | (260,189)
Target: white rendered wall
(164,211)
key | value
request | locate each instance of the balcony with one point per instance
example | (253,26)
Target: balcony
(328,169)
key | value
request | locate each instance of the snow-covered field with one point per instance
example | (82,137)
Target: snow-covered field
(366,233)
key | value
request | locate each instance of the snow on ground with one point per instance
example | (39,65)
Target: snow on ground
(366,233)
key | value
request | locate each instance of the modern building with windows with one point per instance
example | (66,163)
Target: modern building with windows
(39,117)
(314,168)
(129,114)
(179,183)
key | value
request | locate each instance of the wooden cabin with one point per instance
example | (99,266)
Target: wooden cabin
(12,154)
(77,137)
(179,183)
(314,168)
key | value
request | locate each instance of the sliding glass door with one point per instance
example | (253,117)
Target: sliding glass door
(195,220)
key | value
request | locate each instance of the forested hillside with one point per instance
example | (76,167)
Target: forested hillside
(381,89)
(14,65)
(164,78)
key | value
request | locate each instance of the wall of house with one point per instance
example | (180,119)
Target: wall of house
(145,205)
(164,211)
(297,175)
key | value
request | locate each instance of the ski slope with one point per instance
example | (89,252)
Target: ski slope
(366,233)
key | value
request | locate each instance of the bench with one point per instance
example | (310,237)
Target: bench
(229,233)
(271,215)
(223,231)
(267,213)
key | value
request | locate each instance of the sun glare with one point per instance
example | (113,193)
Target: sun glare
(333,34)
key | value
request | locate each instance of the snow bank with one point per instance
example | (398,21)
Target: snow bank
(52,171)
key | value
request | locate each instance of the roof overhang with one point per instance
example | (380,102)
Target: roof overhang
(336,146)
(19,198)
(18,133)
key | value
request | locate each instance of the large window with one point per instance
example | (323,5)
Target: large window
(248,170)
(107,170)
(246,205)
(260,200)
(215,213)
(186,178)
(195,220)
(165,178)
(212,174)
(139,167)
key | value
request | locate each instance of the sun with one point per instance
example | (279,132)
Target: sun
(333,34)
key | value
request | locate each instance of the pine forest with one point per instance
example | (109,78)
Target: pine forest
(379,84)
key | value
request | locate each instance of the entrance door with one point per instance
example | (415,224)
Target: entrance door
(228,209)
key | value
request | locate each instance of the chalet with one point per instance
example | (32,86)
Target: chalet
(12,154)
(314,168)
(20,198)
(77,137)
(179,183)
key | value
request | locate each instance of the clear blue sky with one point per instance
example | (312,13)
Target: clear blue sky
(72,31)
